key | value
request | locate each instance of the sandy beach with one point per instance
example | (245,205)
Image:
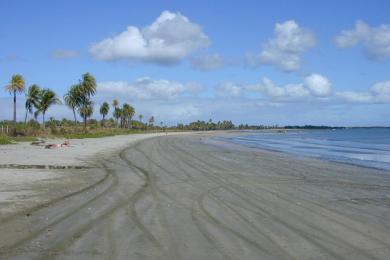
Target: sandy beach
(184,196)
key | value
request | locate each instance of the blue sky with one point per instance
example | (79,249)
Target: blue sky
(260,62)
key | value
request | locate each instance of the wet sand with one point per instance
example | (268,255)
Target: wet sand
(181,197)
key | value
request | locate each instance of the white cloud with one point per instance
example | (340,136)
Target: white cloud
(175,111)
(148,88)
(376,40)
(285,50)
(64,54)
(287,92)
(229,89)
(378,93)
(314,86)
(318,85)
(167,40)
(208,62)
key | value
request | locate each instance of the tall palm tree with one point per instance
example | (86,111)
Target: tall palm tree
(88,84)
(117,114)
(17,85)
(86,112)
(87,88)
(127,113)
(140,120)
(151,121)
(104,108)
(32,99)
(115,104)
(73,100)
(47,97)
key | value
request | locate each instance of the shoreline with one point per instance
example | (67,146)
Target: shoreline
(221,140)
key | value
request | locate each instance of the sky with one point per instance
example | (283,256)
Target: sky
(257,62)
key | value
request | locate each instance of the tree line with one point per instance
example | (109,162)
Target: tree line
(78,98)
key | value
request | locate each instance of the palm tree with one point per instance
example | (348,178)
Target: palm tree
(104,108)
(32,98)
(151,121)
(47,97)
(16,85)
(86,111)
(127,113)
(115,104)
(73,100)
(140,120)
(87,88)
(88,84)
(118,114)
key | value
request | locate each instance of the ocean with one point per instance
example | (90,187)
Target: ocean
(368,147)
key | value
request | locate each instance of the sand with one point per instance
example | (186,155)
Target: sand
(183,197)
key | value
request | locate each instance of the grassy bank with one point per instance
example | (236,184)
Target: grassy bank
(73,133)
(4,139)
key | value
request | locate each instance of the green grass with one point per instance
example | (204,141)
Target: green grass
(4,140)
(23,138)
(101,134)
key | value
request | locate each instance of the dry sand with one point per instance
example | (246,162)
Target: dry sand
(176,197)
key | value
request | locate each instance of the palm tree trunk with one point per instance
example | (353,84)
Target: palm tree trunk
(43,119)
(74,114)
(25,118)
(85,122)
(14,130)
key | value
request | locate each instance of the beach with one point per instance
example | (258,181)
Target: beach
(187,196)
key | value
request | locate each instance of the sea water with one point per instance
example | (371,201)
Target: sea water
(368,147)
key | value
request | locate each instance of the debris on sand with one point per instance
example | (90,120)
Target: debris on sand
(64,144)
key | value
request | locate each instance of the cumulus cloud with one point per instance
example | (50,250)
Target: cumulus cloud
(318,85)
(286,48)
(148,88)
(313,86)
(375,40)
(64,54)
(289,91)
(169,39)
(208,62)
(378,93)
(229,89)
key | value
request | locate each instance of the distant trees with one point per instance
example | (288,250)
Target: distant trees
(16,85)
(202,125)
